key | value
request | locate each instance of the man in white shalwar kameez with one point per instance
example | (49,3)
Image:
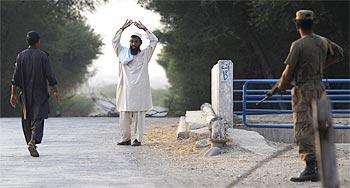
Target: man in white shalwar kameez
(133,97)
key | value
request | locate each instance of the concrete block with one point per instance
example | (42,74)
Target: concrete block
(251,140)
(200,134)
(182,131)
(195,120)
(287,135)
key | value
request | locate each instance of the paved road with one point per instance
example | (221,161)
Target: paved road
(76,152)
(82,152)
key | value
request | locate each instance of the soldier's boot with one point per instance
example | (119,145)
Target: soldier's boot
(32,149)
(310,172)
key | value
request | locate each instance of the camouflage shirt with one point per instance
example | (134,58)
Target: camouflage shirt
(308,56)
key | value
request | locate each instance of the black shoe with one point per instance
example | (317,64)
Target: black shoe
(32,150)
(136,143)
(128,142)
(309,174)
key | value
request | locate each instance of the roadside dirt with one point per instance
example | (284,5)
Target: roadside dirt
(163,138)
(236,166)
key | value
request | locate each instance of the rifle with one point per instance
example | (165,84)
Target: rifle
(270,93)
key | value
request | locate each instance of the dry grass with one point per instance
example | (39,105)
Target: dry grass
(163,138)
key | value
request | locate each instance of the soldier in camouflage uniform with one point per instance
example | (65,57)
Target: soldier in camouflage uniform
(307,58)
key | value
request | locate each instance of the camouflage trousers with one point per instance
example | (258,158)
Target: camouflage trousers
(302,96)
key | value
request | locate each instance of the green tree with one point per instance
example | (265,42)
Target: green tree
(64,37)
(331,21)
(255,35)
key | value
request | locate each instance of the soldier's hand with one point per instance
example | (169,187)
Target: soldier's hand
(13,101)
(126,24)
(281,90)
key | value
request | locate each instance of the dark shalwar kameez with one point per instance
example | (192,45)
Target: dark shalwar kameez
(31,74)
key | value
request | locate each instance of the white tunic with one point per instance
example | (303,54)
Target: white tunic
(133,86)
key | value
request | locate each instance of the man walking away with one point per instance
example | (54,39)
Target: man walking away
(31,74)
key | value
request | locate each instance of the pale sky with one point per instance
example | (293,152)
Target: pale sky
(106,20)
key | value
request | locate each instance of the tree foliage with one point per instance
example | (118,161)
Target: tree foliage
(255,35)
(70,42)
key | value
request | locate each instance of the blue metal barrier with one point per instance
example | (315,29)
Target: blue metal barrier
(337,96)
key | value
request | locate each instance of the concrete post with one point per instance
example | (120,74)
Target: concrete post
(208,113)
(217,126)
(182,131)
(222,90)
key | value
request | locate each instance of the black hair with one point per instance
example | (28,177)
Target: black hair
(304,24)
(32,41)
(32,37)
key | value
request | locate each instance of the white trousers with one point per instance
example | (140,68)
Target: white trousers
(131,125)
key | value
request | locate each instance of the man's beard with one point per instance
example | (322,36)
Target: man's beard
(134,51)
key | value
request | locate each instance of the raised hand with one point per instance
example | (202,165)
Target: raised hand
(139,25)
(126,24)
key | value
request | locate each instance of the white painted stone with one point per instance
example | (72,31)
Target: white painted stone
(218,131)
(212,152)
(182,131)
(222,90)
(195,120)
(200,134)
(251,140)
(207,112)
(202,143)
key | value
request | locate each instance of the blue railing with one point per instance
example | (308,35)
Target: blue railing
(249,96)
